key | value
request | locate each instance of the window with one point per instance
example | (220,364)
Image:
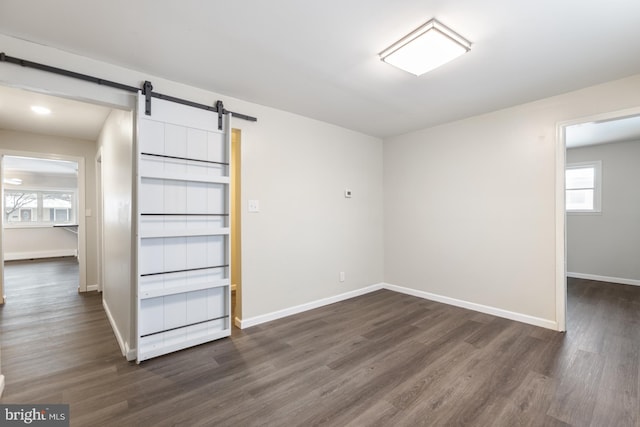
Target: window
(22,207)
(583,187)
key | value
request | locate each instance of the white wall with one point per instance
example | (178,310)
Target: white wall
(39,242)
(470,205)
(607,244)
(306,232)
(116,142)
(35,143)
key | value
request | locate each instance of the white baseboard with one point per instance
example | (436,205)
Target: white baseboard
(519,317)
(91,288)
(619,280)
(1,384)
(253,321)
(129,353)
(124,347)
(15,256)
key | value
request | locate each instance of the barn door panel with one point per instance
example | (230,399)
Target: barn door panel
(183,283)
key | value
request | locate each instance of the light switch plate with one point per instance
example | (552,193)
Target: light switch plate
(254,206)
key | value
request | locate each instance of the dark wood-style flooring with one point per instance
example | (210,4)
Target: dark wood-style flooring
(383,359)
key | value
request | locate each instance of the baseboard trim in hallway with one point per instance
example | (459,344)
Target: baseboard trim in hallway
(618,280)
(124,347)
(519,317)
(257,320)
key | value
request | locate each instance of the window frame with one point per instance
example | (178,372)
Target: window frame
(40,191)
(597,186)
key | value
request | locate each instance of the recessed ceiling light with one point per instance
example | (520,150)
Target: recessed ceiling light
(428,47)
(38,109)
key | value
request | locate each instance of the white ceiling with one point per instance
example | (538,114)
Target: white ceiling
(43,166)
(68,118)
(319,59)
(594,133)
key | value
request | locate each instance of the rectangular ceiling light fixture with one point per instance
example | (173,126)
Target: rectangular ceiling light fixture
(426,48)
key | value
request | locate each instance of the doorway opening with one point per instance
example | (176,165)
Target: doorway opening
(598,234)
(236,242)
(40,221)
(55,133)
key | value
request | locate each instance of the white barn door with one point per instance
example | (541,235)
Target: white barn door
(183,271)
